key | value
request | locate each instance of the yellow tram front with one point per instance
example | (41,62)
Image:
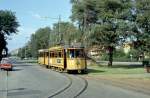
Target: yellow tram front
(76,59)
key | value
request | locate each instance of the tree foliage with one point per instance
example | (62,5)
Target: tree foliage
(104,19)
(8,25)
(104,23)
(142,30)
(65,32)
(46,37)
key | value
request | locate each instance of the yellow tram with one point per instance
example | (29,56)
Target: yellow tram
(63,58)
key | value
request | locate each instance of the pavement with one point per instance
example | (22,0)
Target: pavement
(34,81)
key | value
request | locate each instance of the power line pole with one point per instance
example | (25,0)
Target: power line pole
(59,31)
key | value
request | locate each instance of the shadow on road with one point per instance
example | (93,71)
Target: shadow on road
(95,71)
(24,92)
(21,91)
(16,69)
(130,66)
(16,65)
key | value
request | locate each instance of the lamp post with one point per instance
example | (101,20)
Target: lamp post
(26,49)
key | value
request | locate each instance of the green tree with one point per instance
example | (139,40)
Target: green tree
(65,32)
(8,25)
(39,40)
(103,21)
(33,45)
(84,13)
(142,30)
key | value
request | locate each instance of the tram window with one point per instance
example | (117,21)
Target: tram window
(41,54)
(59,54)
(51,54)
(44,54)
(55,54)
(79,53)
(47,54)
(71,53)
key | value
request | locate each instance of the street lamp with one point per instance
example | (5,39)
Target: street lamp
(26,49)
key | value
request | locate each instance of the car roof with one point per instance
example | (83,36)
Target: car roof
(5,58)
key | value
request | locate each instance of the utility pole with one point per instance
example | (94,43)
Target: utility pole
(26,48)
(84,28)
(59,31)
(59,34)
(25,52)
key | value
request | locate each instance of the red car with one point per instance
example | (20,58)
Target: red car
(6,64)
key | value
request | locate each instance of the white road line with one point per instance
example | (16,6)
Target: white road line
(6,84)
(2,84)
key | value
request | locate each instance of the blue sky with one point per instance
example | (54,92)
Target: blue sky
(31,16)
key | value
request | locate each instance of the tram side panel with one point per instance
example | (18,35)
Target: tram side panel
(56,59)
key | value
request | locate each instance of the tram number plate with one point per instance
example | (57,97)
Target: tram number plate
(58,60)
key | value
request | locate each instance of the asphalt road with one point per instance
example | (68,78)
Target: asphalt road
(34,81)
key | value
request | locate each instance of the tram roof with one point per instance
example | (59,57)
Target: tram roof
(65,47)
(56,48)
(43,50)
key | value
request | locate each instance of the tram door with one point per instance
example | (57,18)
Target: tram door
(65,59)
(44,57)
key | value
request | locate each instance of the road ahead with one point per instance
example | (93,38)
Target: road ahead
(34,81)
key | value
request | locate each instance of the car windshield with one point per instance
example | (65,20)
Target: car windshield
(4,61)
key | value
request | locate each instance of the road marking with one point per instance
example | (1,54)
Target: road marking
(6,84)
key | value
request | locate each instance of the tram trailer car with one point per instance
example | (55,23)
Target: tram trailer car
(61,58)
(43,56)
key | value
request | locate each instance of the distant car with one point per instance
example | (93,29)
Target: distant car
(25,58)
(6,64)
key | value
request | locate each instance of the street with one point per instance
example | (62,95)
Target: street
(34,81)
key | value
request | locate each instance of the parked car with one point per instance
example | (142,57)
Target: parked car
(6,64)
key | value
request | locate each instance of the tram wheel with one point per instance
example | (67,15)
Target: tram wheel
(53,68)
(60,70)
(46,66)
(79,71)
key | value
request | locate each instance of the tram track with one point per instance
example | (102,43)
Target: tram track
(83,89)
(63,89)
(70,86)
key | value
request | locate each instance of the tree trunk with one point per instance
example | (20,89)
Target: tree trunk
(110,49)
(1,54)
(3,44)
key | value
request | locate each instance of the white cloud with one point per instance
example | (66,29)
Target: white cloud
(37,15)
(41,17)
(21,29)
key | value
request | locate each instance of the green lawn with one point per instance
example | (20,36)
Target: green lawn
(101,70)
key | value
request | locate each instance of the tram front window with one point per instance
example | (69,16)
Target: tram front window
(77,53)
(71,54)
